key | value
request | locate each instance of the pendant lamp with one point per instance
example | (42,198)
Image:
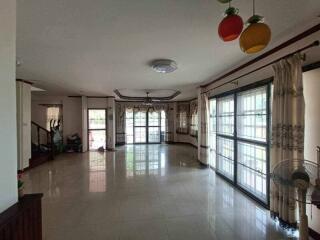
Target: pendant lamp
(231,26)
(256,36)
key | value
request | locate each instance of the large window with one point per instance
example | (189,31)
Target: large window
(144,126)
(183,122)
(194,124)
(239,138)
(154,126)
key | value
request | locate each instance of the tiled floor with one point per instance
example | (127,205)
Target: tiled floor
(143,192)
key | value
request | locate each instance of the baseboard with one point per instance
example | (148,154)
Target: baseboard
(203,164)
(120,144)
(186,143)
(315,235)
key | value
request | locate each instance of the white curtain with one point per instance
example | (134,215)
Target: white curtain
(287,131)
(182,118)
(193,118)
(120,123)
(204,144)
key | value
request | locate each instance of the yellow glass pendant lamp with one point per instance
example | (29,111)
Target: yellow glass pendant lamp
(256,36)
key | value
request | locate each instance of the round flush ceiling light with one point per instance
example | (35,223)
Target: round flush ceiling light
(164,65)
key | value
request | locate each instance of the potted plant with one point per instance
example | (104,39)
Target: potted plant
(20,184)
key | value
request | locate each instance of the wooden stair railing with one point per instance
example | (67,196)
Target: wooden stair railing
(49,138)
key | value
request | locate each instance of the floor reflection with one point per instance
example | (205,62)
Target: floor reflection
(144,192)
(144,160)
(97,172)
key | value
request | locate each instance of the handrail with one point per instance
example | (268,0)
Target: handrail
(37,125)
(49,138)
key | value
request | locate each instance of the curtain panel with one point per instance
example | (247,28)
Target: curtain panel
(204,143)
(193,131)
(183,111)
(287,140)
(120,123)
(169,136)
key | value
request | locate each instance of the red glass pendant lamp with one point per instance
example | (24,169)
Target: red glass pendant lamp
(231,26)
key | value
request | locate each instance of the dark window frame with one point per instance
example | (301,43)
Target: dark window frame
(146,126)
(267,83)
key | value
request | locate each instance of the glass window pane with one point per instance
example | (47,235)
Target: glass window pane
(97,118)
(154,118)
(163,121)
(252,169)
(252,114)
(225,157)
(225,115)
(140,134)
(212,132)
(129,126)
(140,118)
(154,134)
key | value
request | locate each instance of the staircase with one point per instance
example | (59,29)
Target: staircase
(43,148)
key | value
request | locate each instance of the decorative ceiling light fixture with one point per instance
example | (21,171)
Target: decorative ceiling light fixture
(231,26)
(164,65)
(256,36)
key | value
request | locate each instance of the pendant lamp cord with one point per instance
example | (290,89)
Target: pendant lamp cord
(253,7)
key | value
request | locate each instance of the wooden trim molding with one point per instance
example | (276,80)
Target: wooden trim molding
(285,44)
(311,66)
(182,143)
(23,220)
(24,81)
(76,96)
(121,96)
(315,235)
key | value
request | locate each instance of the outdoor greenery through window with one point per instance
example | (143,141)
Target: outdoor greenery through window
(97,128)
(238,133)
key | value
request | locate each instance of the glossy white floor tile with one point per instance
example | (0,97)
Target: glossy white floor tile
(143,192)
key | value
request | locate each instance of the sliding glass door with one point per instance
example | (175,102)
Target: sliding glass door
(144,126)
(239,133)
(154,127)
(97,128)
(140,127)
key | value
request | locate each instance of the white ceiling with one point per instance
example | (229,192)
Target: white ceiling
(93,47)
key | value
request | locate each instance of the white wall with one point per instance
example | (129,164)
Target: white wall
(72,116)
(8,134)
(111,141)
(311,81)
(23,96)
(84,117)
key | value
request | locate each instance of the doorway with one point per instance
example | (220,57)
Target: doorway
(97,128)
(145,126)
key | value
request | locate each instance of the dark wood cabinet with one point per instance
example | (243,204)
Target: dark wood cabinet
(23,220)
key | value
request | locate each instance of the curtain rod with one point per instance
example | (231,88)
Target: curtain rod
(314,44)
